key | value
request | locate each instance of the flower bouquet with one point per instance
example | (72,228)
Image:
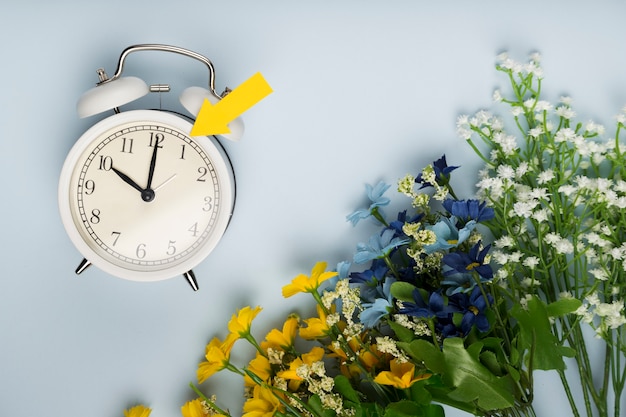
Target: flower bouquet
(456,301)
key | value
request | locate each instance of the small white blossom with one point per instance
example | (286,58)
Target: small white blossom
(599,274)
(505,241)
(531,262)
(565,112)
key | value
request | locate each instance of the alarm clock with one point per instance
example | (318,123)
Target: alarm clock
(139,197)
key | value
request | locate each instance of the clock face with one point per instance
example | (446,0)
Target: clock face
(142,199)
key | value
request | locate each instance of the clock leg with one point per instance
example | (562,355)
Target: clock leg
(84,264)
(191,279)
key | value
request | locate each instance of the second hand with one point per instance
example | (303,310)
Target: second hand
(165,182)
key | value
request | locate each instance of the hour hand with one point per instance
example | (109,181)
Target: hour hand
(127,179)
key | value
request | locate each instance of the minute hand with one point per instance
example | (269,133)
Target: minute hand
(152,165)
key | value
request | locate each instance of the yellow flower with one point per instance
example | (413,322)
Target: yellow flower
(137,411)
(303,283)
(401,375)
(199,408)
(284,339)
(194,408)
(217,358)
(241,322)
(262,404)
(315,355)
(259,366)
(316,327)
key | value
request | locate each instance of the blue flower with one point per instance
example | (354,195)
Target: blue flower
(468,210)
(401,220)
(464,263)
(434,308)
(442,173)
(370,279)
(448,236)
(375,195)
(473,307)
(378,246)
(343,269)
(381,306)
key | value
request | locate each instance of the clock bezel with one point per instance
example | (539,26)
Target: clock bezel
(216,154)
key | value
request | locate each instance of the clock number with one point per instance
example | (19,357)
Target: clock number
(106,163)
(194,229)
(208,204)
(171,249)
(182,151)
(95,216)
(116,236)
(141,251)
(90,187)
(156,139)
(202,171)
(127,145)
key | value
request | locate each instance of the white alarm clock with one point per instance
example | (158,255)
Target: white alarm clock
(139,197)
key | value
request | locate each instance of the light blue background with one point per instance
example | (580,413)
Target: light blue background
(364,91)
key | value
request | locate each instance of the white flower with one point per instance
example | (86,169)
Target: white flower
(505,241)
(517,111)
(599,274)
(540,215)
(543,105)
(533,68)
(565,112)
(593,127)
(522,169)
(529,282)
(615,322)
(506,172)
(531,262)
(545,176)
(564,247)
(524,208)
(539,194)
(593,299)
(535,132)
(564,135)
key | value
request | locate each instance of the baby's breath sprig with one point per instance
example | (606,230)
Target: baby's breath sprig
(556,186)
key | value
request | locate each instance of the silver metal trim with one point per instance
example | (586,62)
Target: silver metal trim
(165,48)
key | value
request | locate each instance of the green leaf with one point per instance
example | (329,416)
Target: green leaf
(369,410)
(434,410)
(402,333)
(316,405)
(535,333)
(403,291)
(489,359)
(404,409)
(471,380)
(563,306)
(419,393)
(466,378)
(421,350)
(344,387)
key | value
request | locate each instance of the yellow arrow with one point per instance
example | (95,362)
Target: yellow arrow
(213,119)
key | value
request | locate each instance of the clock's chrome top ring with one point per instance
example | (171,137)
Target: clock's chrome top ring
(165,48)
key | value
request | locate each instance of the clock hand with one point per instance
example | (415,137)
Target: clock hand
(127,179)
(166,181)
(152,165)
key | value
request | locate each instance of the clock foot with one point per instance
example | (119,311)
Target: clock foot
(191,279)
(84,264)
